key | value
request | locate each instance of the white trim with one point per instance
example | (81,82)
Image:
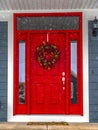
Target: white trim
(49,10)
(70,118)
(42,11)
(10,67)
(48,118)
(85,68)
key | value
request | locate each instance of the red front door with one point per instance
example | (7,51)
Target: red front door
(48,85)
(58,89)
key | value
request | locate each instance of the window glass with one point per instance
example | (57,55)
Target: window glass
(74,72)
(22,72)
(48,23)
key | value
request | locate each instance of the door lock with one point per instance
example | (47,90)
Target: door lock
(63,73)
(63,80)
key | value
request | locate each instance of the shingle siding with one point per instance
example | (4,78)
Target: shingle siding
(93,75)
(3,70)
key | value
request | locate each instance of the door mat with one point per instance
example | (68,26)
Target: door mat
(47,123)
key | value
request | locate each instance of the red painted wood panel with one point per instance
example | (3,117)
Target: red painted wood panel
(47,94)
(44,93)
(19,108)
(77,108)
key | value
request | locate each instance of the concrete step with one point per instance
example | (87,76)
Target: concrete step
(71,126)
(21,126)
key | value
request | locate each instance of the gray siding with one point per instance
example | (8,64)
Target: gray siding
(3,70)
(93,75)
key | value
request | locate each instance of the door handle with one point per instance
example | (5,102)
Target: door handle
(63,80)
(63,77)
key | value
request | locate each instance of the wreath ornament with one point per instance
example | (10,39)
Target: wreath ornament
(47,55)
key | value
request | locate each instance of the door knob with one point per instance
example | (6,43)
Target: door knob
(63,79)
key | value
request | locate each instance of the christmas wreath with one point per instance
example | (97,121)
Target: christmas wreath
(47,55)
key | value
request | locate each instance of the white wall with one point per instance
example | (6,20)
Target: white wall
(87,15)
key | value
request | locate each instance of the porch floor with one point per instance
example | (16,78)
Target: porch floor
(70,126)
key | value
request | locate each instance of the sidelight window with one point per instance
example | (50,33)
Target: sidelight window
(22,72)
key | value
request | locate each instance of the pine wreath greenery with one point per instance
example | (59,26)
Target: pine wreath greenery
(47,55)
